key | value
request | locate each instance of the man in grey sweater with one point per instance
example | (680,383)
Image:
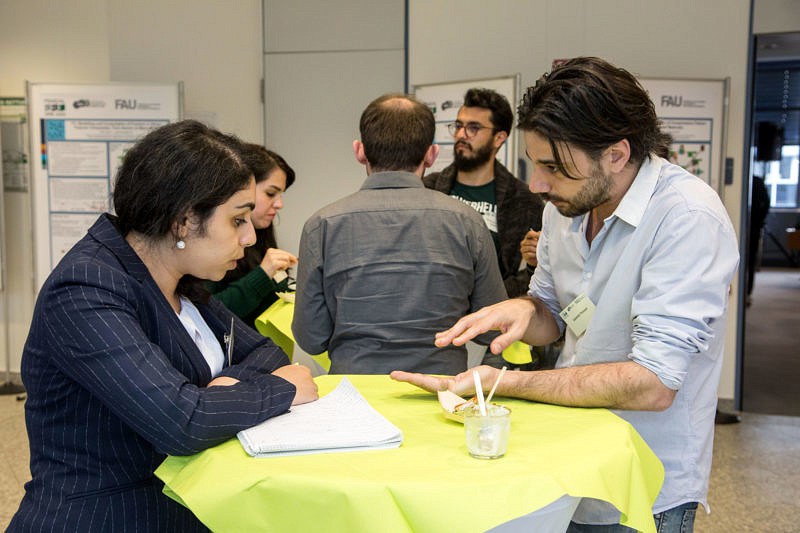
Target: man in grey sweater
(380,271)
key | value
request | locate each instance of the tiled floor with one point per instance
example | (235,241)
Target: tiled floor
(14,471)
(771,358)
(755,477)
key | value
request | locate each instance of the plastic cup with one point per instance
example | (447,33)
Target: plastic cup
(487,436)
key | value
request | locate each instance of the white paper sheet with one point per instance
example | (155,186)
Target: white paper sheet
(340,421)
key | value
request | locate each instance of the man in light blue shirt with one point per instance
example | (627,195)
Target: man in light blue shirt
(636,257)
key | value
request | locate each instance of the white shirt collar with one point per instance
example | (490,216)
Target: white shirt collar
(633,204)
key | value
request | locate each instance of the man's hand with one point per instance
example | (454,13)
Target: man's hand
(528,247)
(423,381)
(300,377)
(512,318)
(463,384)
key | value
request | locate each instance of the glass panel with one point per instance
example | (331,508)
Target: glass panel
(781,177)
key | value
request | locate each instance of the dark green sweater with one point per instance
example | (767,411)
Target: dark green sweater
(249,296)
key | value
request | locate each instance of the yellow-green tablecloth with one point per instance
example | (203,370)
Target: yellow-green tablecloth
(276,323)
(430,483)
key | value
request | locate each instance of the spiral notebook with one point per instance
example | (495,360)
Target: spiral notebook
(340,421)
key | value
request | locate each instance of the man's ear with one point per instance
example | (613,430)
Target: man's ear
(358,150)
(431,155)
(620,155)
(499,138)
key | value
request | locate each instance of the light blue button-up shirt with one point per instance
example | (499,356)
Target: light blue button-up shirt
(658,273)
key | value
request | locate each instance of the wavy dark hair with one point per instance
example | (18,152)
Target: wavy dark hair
(590,104)
(261,162)
(502,116)
(181,168)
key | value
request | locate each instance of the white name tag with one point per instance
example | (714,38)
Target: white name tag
(578,314)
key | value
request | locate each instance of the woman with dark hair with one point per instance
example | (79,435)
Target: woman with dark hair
(128,359)
(251,287)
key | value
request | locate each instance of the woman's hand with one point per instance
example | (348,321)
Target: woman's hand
(222,381)
(300,377)
(275,260)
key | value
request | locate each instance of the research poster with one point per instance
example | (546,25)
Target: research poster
(14,132)
(79,134)
(694,112)
(445,99)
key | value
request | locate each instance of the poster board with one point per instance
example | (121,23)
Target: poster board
(445,99)
(14,130)
(79,134)
(2,240)
(694,112)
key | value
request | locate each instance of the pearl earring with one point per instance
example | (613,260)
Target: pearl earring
(181,245)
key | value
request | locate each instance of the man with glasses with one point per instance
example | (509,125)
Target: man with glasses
(511,212)
(382,270)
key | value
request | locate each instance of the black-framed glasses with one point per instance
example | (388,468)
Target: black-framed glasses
(471,129)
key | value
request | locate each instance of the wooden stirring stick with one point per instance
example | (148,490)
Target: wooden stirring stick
(491,392)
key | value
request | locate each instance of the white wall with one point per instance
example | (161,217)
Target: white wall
(40,41)
(651,38)
(776,16)
(323,63)
(213,46)
(52,41)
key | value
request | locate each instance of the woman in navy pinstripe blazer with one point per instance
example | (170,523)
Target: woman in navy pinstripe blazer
(124,362)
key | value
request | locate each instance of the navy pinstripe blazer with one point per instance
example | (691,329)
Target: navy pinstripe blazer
(115,383)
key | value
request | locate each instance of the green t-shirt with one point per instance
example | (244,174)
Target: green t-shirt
(482,200)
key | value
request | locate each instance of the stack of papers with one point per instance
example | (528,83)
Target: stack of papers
(340,421)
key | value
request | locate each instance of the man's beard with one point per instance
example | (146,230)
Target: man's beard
(471,162)
(596,190)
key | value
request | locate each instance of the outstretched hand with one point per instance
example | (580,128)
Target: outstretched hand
(423,381)
(462,384)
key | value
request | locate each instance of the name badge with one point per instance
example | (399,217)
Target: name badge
(578,314)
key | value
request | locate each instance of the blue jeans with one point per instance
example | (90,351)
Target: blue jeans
(679,519)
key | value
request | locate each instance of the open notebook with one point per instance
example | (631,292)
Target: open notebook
(340,421)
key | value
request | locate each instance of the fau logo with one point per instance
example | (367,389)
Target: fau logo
(671,101)
(125,104)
